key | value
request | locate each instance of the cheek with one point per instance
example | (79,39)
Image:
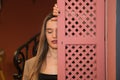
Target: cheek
(48,37)
(49,40)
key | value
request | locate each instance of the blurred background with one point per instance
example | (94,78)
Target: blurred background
(22,19)
(19,21)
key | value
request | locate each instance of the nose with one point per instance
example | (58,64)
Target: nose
(55,34)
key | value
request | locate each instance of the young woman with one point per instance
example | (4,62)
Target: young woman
(44,65)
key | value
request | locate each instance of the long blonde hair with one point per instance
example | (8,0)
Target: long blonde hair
(41,52)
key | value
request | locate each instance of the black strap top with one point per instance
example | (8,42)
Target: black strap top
(43,76)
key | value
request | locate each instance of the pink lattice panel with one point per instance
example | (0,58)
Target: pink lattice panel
(80,18)
(80,62)
(81,40)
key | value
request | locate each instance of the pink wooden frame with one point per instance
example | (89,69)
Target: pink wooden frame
(97,40)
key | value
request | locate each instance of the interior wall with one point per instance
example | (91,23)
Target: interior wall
(19,21)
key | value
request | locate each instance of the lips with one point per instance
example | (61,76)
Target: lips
(54,41)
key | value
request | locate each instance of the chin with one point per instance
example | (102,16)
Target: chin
(55,48)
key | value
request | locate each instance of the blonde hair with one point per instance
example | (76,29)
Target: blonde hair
(41,52)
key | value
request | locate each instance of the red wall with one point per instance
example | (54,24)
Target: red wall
(19,21)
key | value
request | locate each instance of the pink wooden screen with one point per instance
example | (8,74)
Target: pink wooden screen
(81,40)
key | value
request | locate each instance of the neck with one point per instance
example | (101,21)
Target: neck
(52,53)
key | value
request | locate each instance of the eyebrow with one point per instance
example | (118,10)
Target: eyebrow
(54,19)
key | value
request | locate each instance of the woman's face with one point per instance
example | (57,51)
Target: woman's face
(51,33)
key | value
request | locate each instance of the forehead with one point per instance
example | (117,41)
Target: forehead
(51,23)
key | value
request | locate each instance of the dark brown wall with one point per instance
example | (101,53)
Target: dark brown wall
(19,21)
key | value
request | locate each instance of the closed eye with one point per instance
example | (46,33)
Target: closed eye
(49,31)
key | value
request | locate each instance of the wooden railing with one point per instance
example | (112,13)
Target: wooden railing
(2,53)
(23,53)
